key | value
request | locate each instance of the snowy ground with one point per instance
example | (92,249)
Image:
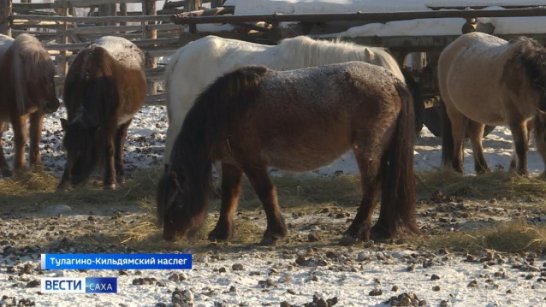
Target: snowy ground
(250,275)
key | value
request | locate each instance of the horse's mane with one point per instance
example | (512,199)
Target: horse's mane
(205,125)
(532,57)
(36,63)
(320,52)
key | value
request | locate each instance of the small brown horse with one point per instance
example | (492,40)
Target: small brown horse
(104,88)
(27,92)
(483,80)
(299,120)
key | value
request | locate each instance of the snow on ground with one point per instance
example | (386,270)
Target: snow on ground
(355,276)
(147,134)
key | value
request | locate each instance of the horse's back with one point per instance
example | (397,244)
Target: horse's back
(122,50)
(122,93)
(470,71)
(321,109)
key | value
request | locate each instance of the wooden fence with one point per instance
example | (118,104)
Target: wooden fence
(63,33)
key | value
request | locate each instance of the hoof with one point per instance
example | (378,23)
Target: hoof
(120,179)
(348,240)
(217,235)
(6,173)
(271,238)
(111,187)
(269,241)
(379,232)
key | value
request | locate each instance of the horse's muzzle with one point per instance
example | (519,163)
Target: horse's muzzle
(51,106)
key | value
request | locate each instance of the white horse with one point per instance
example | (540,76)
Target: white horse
(196,65)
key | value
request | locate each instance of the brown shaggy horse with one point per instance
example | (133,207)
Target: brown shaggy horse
(485,80)
(299,120)
(27,92)
(104,88)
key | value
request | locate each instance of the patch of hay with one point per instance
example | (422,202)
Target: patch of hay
(495,184)
(506,237)
(28,182)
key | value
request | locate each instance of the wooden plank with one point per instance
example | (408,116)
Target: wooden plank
(87,3)
(25,7)
(367,17)
(142,43)
(98,19)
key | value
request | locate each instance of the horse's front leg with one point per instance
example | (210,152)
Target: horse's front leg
(276,228)
(475,132)
(109,178)
(4,168)
(121,135)
(20,132)
(36,123)
(521,144)
(231,191)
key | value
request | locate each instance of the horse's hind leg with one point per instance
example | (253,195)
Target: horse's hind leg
(521,144)
(121,135)
(267,193)
(369,165)
(458,125)
(109,176)
(231,190)
(20,132)
(475,132)
(36,123)
(4,168)
(539,126)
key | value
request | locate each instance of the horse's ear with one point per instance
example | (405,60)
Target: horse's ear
(64,124)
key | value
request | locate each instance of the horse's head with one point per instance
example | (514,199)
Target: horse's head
(81,149)
(174,207)
(531,56)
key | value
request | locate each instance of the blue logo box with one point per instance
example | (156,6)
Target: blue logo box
(116,261)
(101,285)
(79,285)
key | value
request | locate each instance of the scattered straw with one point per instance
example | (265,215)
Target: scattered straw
(504,237)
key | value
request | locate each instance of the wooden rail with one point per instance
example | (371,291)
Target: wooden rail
(64,34)
(359,16)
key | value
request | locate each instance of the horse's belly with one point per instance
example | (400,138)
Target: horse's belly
(304,158)
(480,108)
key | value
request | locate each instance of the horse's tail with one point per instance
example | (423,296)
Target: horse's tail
(398,183)
(447,138)
(418,106)
(18,79)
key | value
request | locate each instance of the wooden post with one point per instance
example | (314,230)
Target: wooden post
(107,10)
(62,63)
(149,8)
(6,10)
(123,12)
(193,5)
